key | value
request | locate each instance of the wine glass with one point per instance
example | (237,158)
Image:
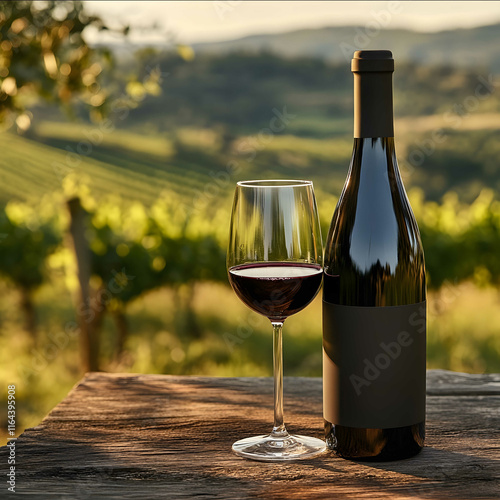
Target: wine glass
(274,263)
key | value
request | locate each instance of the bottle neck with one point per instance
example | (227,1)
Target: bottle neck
(374,159)
(373,111)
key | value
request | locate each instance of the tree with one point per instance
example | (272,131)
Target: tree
(43,54)
(130,265)
(24,248)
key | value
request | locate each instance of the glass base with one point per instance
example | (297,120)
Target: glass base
(275,448)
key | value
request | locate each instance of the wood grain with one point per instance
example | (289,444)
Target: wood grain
(122,436)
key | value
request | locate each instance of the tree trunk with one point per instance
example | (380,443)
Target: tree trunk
(29,311)
(98,309)
(88,312)
(185,318)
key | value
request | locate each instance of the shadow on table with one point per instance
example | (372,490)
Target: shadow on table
(99,463)
(433,473)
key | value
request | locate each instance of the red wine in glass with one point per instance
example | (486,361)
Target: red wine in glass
(276,289)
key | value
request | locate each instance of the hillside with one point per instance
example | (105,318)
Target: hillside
(219,108)
(239,91)
(460,47)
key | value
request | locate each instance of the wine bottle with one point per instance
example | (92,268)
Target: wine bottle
(374,295)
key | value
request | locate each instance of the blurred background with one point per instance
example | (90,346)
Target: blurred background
(124,127)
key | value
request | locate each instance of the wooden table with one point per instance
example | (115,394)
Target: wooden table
(125,436)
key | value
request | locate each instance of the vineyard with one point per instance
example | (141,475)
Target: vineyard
(158,207)
(157,211)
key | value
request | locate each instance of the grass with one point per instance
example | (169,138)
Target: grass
(119,165)
(188,161)
(139,168)
(463,329)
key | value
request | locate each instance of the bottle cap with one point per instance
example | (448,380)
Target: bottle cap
(372,60)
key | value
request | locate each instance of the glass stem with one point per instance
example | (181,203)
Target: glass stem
(279,429)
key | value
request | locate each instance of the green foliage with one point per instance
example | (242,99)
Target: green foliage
(25,244)
(461,242)
(156,260)
(43,53)
(441,252)
(162,245)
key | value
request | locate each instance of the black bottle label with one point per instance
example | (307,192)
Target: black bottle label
(374,365)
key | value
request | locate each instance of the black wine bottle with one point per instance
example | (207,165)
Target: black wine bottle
(374,295)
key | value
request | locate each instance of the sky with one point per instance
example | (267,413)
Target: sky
(191,22)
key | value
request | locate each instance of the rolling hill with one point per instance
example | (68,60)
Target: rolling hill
(460,47)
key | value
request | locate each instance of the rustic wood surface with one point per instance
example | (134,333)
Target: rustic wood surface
(125,436)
